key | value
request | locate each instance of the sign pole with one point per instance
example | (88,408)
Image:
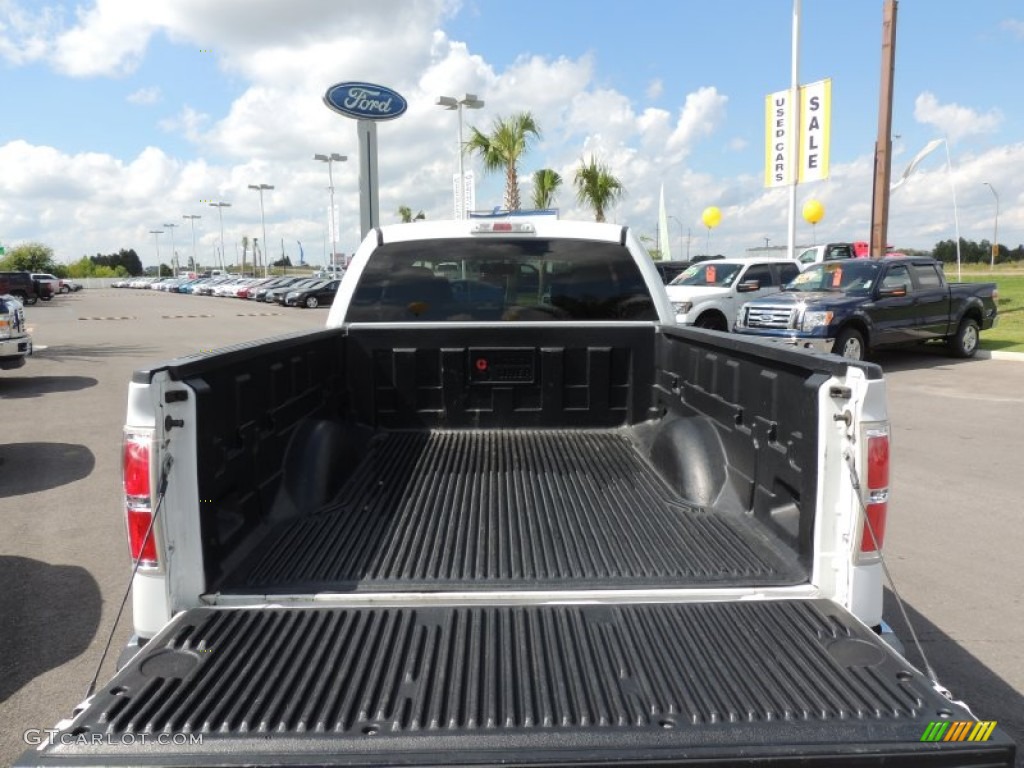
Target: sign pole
(794,122)
(369,198)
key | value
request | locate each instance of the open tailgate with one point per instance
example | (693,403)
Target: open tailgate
(781,683)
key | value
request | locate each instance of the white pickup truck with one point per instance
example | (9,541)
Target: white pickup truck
(15,341)
(509,513)
(709,294)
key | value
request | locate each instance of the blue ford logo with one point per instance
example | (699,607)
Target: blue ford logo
(365,101)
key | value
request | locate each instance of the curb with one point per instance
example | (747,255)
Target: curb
(995,354)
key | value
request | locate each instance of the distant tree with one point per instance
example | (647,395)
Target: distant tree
(29,257)
(285,262)
(245,249)
(502,148)
(596,187)
(127,259)
(545,183)
(406,217)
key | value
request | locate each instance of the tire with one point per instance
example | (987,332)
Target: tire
(712,321)
(851,345)
(23,298)
(311,302)
(965,342)
(47,298)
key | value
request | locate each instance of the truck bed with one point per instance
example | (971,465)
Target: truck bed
(780,683)
(480,509)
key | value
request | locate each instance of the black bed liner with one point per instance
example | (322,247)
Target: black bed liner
(477,509)
(740,683)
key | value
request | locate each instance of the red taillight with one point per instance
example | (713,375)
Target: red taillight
(876,459)
(136,466)
(137,453)
(138,523)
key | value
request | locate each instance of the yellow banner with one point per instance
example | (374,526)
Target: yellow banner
(815,130)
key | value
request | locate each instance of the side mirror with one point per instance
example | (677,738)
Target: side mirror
(892,293)
(748,285)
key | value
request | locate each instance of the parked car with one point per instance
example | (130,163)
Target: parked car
(57,284)
(71,286)
(271,296)
(260,291)
(52,283)
(21,286)
(670,270)
(709,293)
(15,341)
(320,294)
(851,307)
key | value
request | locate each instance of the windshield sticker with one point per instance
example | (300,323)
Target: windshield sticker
(710,274)
(837,277)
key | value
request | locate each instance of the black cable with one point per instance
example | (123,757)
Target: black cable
(135,569)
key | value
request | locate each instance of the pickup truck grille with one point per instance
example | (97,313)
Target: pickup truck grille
(771,317)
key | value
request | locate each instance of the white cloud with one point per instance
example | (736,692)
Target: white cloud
(952,120)
(188,123)
(1014,27)
(26,36)
(144,96)
(655,89)
(700,116)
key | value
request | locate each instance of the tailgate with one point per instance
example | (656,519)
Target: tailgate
(751,683)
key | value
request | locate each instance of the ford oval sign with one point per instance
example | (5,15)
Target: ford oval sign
(365,101)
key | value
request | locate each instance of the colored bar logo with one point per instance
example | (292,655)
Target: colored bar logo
(960,730)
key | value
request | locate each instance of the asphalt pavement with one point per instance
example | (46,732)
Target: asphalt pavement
(954,538)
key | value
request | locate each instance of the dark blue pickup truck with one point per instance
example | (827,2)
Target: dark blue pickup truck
(853,306)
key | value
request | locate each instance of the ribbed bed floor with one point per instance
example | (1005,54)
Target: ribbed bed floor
(520,509)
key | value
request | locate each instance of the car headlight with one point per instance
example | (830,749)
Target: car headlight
(682,307)
(292,296)
(813,320)
(738,323)
(5,329)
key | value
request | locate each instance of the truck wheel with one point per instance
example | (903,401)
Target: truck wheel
(23,298)
(311,302)
(850,344)
(712,322)
(965,342)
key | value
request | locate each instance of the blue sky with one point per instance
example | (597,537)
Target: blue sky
(121,116)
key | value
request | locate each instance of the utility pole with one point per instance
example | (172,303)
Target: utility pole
(883,144)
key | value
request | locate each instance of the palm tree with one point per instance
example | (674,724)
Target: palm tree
(545,183)
(596,187)
(245,248)
(502,148)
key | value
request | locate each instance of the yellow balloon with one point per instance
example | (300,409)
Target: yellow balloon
(813,211)
(711,217)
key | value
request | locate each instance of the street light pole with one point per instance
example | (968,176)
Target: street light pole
(174,254)
(469,101)
(195,261)
(995,237)
(156,239)
(266,257)
(330,160)
(220,206)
